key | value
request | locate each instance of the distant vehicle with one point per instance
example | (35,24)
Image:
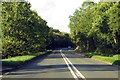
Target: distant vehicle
(69,47)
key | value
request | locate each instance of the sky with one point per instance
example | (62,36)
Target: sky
(56,12)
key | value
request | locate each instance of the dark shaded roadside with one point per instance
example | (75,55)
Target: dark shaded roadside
(117,62)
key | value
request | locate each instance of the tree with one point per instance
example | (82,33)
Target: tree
(24,32)
(92,27)
(57,39)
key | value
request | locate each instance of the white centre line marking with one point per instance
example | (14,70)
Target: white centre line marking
(72,72)
(76,73)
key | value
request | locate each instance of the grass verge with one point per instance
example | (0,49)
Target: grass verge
(111,58)
(14,61)
(114,59)
(18,60)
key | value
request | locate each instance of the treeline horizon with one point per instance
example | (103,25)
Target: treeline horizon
(24,32)
(95,27)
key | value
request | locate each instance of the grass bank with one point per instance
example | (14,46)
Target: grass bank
(18,60)
(112,58)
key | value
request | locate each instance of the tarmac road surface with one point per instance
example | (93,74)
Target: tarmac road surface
(64,64)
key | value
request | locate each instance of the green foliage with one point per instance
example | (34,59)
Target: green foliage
(57,39)
(0,39)
(0,33)
(89,54)
(95,27)
(0,44)
(24,32)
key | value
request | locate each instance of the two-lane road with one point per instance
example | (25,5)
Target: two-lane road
(64,64)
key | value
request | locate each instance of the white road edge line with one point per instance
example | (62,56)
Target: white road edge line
(77,72)
(72,72)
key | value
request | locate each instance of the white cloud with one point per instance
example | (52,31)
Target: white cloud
(56,12)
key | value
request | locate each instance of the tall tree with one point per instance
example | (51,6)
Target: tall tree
(92,26)
(24,32)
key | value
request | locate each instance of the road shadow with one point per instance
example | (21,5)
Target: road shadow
(95,67)
(37,69)
(8,66)
(69,54)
